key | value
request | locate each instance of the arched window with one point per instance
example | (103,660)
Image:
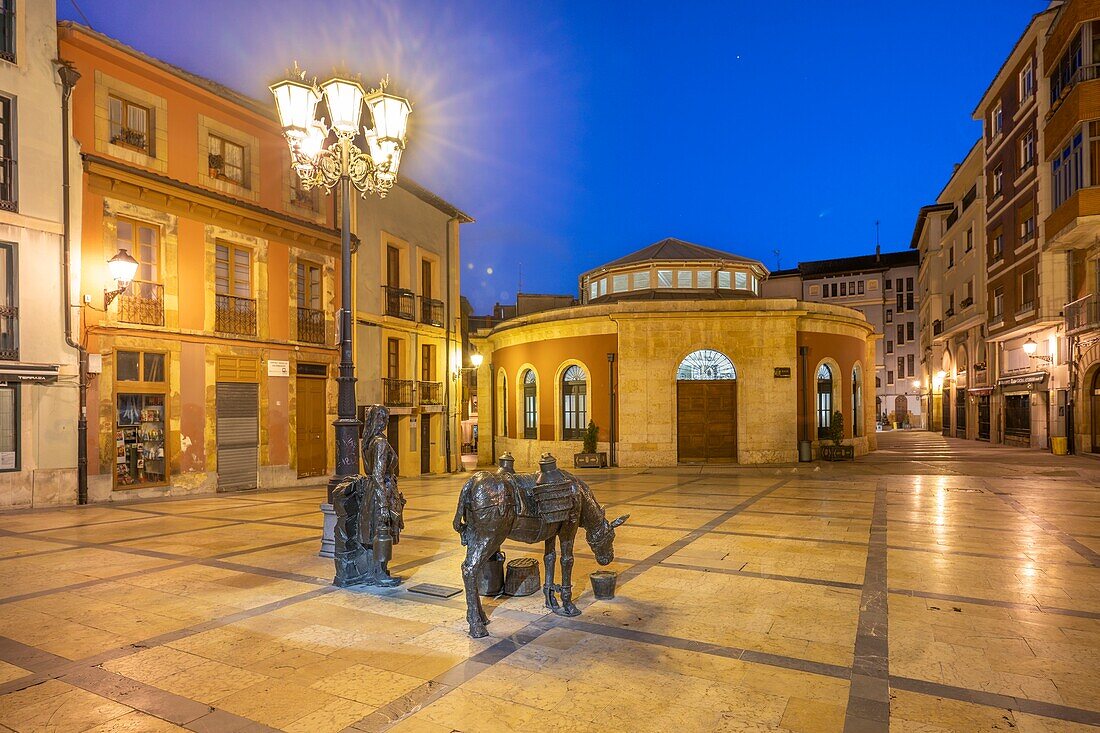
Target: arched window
(503,405)
(530,406)
(574,409)
(705,364)
(824,400)
(857,401)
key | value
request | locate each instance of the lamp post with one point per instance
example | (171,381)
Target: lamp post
(342,164)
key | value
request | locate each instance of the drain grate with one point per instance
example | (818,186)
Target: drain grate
(436,591)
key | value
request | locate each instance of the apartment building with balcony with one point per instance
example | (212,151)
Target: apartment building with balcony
(408,335)
(38,369)
(1025,281)
(1071,73)
(214,370)
(883,287)
(954,381)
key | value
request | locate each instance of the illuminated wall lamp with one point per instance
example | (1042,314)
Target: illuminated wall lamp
(1030,347)
(122,267)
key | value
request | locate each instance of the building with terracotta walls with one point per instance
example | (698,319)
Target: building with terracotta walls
(215,369)
(676,358)
(38,369)
(1026,285)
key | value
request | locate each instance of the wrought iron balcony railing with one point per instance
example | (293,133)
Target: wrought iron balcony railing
(397,392)
(952,217)
(142,303)
(937,327)
(8,200)
(234,315)
(399,302)
(9,332)
(431,311)
(311,325)
(1082,315)
(431,393)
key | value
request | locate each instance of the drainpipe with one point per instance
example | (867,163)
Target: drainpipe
(69,76)
(447,319)
(611,405)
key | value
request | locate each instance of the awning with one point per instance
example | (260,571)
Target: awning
(1027,379)
(980,391)
(40,373)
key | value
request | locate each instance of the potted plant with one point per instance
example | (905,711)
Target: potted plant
(590,458)
(216,163)
(835,432)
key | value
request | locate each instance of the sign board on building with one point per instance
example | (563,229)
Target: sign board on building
(782,372)
(278,368)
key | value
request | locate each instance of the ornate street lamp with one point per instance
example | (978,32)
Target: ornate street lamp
(122,267)
(341,163)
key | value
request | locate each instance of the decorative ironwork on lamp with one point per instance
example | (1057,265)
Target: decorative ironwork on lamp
(1030,347)
(122,267)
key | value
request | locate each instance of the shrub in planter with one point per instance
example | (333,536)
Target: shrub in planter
(590,458)
(835,433)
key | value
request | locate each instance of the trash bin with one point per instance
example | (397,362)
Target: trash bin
(1059,445)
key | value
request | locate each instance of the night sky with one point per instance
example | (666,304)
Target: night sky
(577,132)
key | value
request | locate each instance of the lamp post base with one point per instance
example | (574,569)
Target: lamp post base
(328,531)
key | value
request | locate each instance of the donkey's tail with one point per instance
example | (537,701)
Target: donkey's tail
(460,522)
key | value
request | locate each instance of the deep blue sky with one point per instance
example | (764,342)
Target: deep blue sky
(577,132)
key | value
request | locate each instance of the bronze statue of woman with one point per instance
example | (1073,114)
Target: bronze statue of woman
(386,518)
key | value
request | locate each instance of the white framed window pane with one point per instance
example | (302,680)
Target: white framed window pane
(664,278)
(755,285)
(603,286)
(641,280)
(683,278)
(723,279)
(619,284)
(741,280)
(593,291)
(704,279)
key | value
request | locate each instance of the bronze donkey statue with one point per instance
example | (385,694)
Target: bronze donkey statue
(534,507)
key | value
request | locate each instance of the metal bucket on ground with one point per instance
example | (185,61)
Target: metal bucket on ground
(491,580)
(603,584)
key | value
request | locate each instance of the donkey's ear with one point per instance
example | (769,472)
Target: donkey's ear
(619,520)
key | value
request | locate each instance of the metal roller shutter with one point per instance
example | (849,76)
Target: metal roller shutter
(238,436)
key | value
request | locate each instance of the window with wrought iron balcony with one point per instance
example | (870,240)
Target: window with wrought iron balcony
(398,302)
(234,306)
(143,301)
(311,319)
(431,311)
(9,309)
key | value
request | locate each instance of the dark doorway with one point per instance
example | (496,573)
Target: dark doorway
(983,417)
(706,421)
(425,444)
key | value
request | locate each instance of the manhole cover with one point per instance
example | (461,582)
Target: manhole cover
(436,591)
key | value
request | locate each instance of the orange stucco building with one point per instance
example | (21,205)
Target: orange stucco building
(215,369)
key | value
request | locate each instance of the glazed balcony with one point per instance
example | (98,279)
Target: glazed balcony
(311,325)
(1074,224)
(235,316)
(142,303)
(397,392)
(398,302)
(431,311)
(1082,315)
(1080,100)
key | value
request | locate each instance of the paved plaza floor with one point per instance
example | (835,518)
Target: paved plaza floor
(938,585)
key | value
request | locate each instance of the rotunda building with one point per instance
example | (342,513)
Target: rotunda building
(676,358)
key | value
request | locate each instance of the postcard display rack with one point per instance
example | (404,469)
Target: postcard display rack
(139,440)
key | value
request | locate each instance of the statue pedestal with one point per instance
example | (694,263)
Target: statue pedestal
(328,531)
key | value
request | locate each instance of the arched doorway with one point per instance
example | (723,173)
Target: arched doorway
(574,407)
(1095,400)
(901,410)
(824,401)
(706,408)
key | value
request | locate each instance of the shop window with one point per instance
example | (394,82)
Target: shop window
(9,427)
(141,419)
(574,409)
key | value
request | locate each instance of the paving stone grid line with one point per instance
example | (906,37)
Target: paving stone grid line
(500,650)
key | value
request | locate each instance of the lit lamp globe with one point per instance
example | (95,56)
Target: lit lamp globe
(916,384)
(122,267)
(386,141)
(296,103)
(344,99)
(476,360)
(1030,347)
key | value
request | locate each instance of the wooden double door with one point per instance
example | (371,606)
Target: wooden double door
(310,426)
(706,421)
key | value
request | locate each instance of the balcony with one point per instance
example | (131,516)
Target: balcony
(397,392)
(1026,307)
(966,302)
(952,218)
(142,303)
(235,316)
(1079,100)
(9,332)
(431,311)
(1082,315)
(311,325)
(398,302)
(431,393)
(7,186)
(1073,224)
(937,327)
